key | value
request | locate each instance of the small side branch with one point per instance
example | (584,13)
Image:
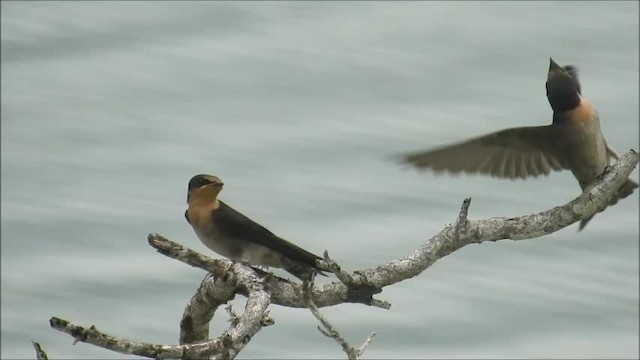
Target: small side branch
(244,327)
(93,336)
(330,331)
(462,223)
(188,256)
(40,353)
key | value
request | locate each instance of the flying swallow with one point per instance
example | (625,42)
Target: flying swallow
(573,141)
(236,237)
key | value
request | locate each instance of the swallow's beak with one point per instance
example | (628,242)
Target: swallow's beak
(553,66)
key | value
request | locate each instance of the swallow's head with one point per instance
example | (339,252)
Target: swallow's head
(573,72)
(204,186)
(563,88)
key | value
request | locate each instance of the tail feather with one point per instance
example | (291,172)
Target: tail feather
(625,190)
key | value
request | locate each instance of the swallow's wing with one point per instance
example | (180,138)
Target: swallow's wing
(234,224)
(512,153)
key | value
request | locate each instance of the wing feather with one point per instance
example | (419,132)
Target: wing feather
(236,225)
(512,153)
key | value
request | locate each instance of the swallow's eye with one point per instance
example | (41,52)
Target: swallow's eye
(198,181)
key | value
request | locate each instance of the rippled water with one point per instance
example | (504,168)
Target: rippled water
(109,108)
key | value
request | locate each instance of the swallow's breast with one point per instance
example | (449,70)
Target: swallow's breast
(209,234)
(583,114)
(583,143)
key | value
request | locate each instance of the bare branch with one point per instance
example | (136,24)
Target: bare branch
(247,325)
(462,233)
(262,289)
(448,240)
(284,292)
(363,347)
(359,290)
(188,256)
(225,346)
(95,337)
(194,326)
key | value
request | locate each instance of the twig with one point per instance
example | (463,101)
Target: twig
(248,324)
(462,223)
(95,337)
(364,345)
(188,256)
(329,330)
(40,353)
(233,317)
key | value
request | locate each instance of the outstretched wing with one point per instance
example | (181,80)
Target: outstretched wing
(512,153)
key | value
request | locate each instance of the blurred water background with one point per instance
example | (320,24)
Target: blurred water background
(109,108)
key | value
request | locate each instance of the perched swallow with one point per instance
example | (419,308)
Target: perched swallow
(236,237)
(573,141)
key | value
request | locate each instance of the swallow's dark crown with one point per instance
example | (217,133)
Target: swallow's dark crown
(198,181)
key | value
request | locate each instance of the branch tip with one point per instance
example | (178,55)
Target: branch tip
(364,345)
(40,353)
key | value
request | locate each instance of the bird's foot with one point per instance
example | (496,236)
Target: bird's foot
(607,169)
